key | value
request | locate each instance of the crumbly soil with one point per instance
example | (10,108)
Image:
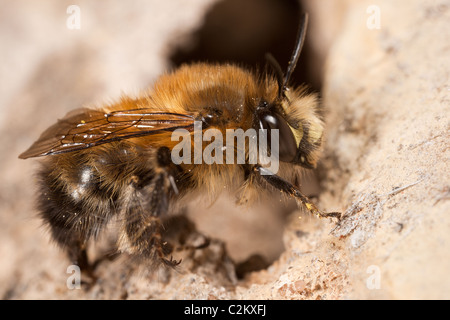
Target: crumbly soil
(386,93)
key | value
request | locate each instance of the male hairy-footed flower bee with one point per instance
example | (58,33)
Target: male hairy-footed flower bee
(126,160)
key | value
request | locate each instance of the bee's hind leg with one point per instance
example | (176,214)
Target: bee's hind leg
(288,188)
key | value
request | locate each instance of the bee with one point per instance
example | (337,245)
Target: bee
(117,161)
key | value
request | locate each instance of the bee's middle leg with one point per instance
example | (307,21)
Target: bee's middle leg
(147,201)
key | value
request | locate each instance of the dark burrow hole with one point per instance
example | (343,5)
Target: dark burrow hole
(242,32)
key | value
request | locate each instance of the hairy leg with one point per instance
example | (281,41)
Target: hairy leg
(145,203)
(288,188)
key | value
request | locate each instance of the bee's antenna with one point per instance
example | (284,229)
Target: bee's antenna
(283,79)
(297,50)
(278,72)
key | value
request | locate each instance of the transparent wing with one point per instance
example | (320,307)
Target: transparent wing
(85,128)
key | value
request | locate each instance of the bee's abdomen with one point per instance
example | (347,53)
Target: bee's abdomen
(75,204)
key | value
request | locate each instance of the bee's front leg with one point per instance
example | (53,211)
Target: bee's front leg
(288,188)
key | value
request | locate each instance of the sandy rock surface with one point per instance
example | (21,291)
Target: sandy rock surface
(384,73)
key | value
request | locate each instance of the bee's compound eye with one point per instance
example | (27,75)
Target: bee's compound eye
(287,145)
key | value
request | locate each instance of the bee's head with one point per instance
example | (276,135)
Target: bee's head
(293,113)
(299,128)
